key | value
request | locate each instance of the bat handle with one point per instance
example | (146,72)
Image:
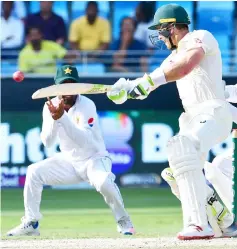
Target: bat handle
(133,95)
(108,88)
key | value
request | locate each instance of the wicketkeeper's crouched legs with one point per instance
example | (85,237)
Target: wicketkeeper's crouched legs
(219,212)
(219,174)
(52,171)
(100,176)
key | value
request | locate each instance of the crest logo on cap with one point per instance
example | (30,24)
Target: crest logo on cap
(68,70)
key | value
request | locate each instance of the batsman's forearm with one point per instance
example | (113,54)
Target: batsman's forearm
(184,65)
(178,70)
(169,74)
(78,135)
(162,76)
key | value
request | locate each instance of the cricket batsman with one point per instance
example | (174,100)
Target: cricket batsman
(83,157)
(196,66)
(220,174)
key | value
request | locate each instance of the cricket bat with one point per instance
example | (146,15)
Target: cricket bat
(70,89)
(213,222)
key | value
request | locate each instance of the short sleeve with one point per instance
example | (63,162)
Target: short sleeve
(203,39)
(106,34)
(140,32)
(59,50)
(74,32)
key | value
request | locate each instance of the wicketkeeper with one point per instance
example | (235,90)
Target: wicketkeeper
(83,157)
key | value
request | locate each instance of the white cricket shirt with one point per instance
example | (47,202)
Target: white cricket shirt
(12,32)
(78,130)
(205,81)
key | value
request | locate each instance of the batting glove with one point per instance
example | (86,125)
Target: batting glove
(119,91)
(130,89)
(143,87)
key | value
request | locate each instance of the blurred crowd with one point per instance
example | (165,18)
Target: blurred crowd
(42,39)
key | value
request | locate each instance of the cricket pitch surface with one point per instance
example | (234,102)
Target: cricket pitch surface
(127,243)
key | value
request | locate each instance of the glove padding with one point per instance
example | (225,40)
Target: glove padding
(119,91)
(142,89)
(130,89)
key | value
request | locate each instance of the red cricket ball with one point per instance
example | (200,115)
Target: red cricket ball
(18,76)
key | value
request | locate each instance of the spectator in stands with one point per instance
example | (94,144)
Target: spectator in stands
(52,25)
(90,32)
(130,53)
(40,56)
(19,9)
(144,14)
(12,29)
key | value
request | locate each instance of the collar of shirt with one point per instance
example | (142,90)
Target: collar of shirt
(30,47)
(183,41)
(10,21)
(40,18)
(94,23)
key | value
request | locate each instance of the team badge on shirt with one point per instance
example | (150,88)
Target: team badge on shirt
(197,40)
(90,122)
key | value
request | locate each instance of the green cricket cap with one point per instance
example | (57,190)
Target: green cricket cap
(66,72)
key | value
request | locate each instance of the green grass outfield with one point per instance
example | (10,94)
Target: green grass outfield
(83,213)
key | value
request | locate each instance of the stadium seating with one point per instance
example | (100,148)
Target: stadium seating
(90,68)
(59,7)
(216,20)
(157,58)
(78,8)
(19,9)
(224,41)
(188,5)
(217,17)
(8,67)
(122,9)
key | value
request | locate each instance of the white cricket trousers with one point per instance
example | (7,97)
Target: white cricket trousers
(200,130)
(59,171)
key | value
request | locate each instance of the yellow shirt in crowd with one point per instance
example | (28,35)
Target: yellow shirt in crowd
(89,37)
(43,61)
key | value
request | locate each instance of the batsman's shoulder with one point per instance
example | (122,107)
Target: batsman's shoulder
(201,34)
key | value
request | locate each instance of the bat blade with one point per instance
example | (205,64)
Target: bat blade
(70,89)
